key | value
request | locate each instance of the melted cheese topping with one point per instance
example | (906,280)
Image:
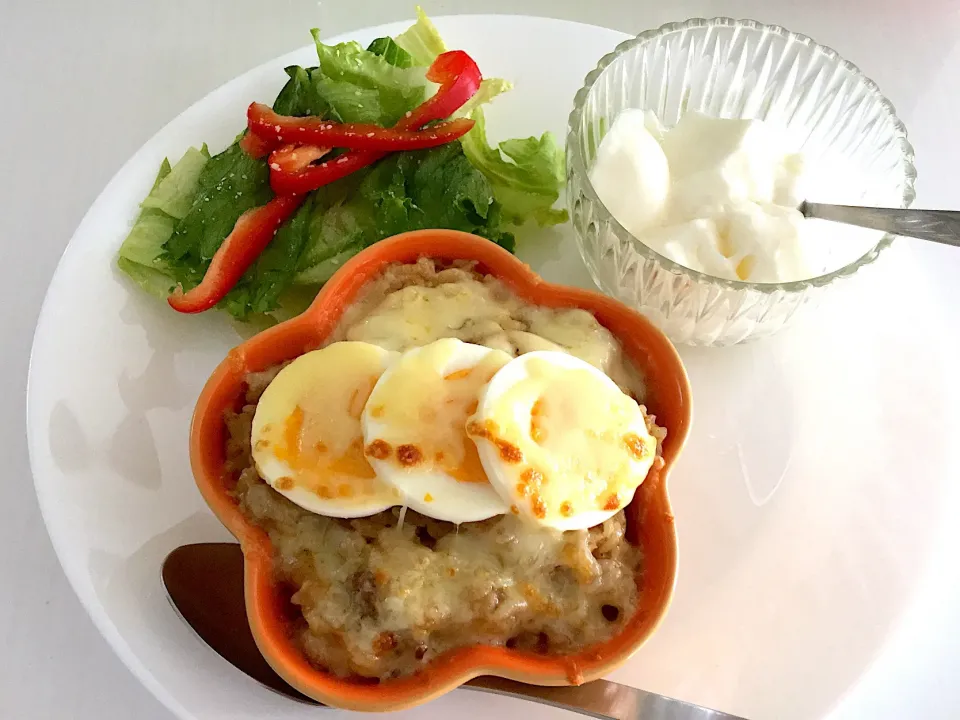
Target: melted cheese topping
(484,312)
(414,315)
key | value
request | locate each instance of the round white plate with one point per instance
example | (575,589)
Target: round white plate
(810,495)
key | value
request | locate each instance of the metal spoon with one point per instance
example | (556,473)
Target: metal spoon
(205,585)
(941,226)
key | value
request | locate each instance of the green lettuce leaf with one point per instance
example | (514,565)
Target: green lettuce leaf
(351,69)
(436,188)
(141,254)
(489,89)
(144,244)
(151,280)
(421,41)
(151,229)
(317,275)
(350,103)
(310,92)
(388,49)
(230,183)
(526,174)
(301,96)
(174,192)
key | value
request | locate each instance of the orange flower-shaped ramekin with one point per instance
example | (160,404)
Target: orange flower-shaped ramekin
(650,522)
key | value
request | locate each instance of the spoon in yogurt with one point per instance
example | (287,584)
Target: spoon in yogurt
(939,226)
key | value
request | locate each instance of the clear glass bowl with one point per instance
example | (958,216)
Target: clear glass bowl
(740,69)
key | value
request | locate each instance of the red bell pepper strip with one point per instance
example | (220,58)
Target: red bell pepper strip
(252,233)
(271,127)
(294,158)
(314,176)
(255,146)
(459,79)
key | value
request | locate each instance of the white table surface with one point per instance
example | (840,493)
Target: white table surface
(87,83)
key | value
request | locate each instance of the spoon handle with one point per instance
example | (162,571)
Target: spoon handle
(603,699)
(941,226)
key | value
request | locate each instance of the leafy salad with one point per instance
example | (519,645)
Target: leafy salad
(367,144)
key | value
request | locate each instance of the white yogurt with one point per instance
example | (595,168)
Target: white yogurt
(716,195)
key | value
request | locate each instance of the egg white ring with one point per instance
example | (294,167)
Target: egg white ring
(453,501)
(504,481)
(270,468)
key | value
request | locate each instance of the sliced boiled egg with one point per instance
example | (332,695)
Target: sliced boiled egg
(306,437)
(560,441)
(414,428)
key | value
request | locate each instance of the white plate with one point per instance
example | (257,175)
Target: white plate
(807,502)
